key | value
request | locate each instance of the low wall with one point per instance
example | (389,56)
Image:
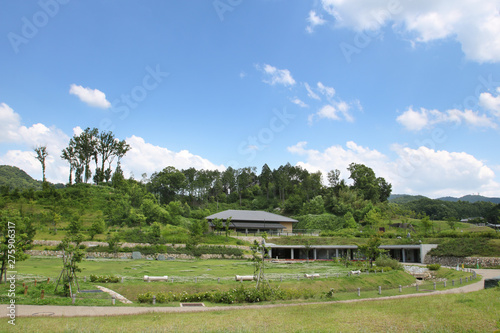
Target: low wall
(128,255)
(470,261)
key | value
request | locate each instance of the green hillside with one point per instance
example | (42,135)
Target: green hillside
(404,198)
(471,198)
(13,177)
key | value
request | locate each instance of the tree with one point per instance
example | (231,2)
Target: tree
(97,227)
(73,254)
(265,178)
(427,224)
(92,145)
(451,221)
(113,243)
(86,145)
(371,249)
(217,225)
(244,179)
(333,178)
(69,155)
(41,155)
(372,188)
(167,183)
(16,236)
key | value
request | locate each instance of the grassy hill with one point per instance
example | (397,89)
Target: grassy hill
(13,177)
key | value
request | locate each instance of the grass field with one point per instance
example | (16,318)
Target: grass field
(473,312)
(195,276)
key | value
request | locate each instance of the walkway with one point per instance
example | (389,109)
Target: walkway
(79,311)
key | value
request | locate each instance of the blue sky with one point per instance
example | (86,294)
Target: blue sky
(410,89)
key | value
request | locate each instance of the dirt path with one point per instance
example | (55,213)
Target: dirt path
(79,311)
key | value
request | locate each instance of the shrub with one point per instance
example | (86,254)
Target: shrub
(104,278)
(386,261)
(434,267)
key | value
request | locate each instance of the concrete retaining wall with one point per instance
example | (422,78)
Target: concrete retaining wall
(470,261)
(128,255)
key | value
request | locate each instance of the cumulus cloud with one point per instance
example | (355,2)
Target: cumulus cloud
(416,120)
(490,102)
(414,171)
(314,20)
(276,76)
(91,97)
(12,132)
(476,26)
(9,123)
(147,158)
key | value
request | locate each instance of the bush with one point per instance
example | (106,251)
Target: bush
(104,278)
(235,295)
(386,261)
(434,267)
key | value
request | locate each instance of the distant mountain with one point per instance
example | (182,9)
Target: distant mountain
(471,198)
(16,178)
(404,198)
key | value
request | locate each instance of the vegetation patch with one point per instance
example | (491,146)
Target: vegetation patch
(465,247)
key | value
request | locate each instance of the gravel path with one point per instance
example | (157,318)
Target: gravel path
(79,311)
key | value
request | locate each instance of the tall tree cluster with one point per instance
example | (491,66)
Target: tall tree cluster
(91,145)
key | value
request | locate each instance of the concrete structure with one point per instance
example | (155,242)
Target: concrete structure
(403,253)
(251,221)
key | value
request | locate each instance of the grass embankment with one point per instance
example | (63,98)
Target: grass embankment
(473,312)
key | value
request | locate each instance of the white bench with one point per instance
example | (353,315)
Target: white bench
(244,277)
(155,278)
(310,276)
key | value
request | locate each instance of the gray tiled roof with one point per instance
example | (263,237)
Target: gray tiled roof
(250,216)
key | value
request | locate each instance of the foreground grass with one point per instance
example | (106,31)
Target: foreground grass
(473,312)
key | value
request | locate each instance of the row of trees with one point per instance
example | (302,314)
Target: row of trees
(287,182)
(92,145)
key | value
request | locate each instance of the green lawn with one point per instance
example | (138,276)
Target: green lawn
(194,276)
(473,312)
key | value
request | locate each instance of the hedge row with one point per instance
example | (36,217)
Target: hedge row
(236,295)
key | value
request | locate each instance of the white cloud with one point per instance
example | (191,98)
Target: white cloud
(413,171)
(92,97)
(327,91)
(311,93)
(54,139)
(277,76)
(476,26)
(423,118)
(441,173)
(490,102)
(9,123)
(336,110)
(147,158)
(143,158)
(314,20)
(299,102)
